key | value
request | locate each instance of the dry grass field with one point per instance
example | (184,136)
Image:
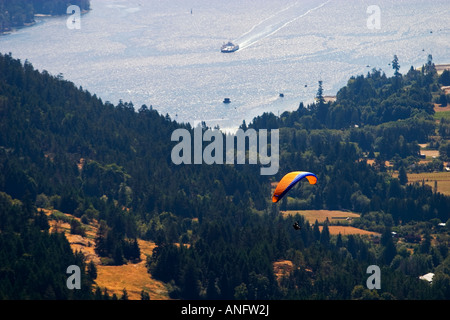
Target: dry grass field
(346,230)
(282,268)
(442,179)
(333,217)
(131,276)
(438,108)
(441,67)
(322,215)
(77,243)
(430,153)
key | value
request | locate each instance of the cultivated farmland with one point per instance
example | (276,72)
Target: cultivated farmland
(441,180)
(333,216)
(339,220)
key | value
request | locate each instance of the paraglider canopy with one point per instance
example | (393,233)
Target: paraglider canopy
(289,180)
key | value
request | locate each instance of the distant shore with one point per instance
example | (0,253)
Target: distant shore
(38,15)
(439,68)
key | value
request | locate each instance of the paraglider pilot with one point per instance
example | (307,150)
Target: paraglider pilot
(296,226)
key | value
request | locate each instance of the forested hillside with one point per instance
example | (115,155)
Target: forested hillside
(62,147)
(373,117)
(19,13)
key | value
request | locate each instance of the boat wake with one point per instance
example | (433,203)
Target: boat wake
(274,23)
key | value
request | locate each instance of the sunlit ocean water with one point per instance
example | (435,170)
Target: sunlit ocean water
(167,53)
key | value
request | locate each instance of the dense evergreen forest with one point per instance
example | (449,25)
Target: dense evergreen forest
(19,13)
(62,147)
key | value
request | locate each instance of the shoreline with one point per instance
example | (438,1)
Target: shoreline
(37,15)
(439,69)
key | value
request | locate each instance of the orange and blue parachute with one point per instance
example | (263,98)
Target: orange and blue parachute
(289,180)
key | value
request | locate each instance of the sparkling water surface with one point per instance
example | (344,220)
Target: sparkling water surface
(167,53)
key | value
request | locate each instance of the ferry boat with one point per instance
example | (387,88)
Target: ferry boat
(229,47)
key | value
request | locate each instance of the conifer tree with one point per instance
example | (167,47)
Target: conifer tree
(402,176)
(396,66)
